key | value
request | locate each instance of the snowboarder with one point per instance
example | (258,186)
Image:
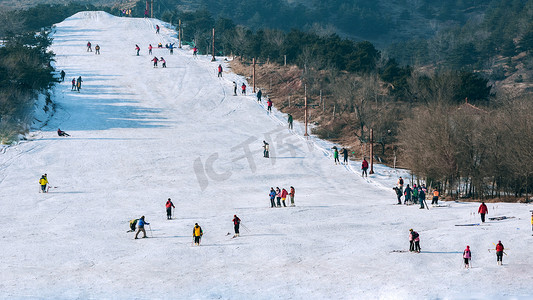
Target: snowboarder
(483,210)
(62,74)
(163,62)
(157,29)
(499,252)
(400,184)
(97,49)
(219,70)
(278,196)
(421,197)
(398,194)
(269,106)
(272,197)
(62,133)
(266,150)
(73,88)
(197,234)
(435,199)
(243,89)
(155,60)
(415,237)
(43,182)
(289,120)
(169,205)
(364,167)
(336,154)
(467,256)
(344,152)
(140,227)
(236,223)
(89,48)
(284,194)
(137,49)
(150,49)
(291,193)
(259,93)
(407,193)
(78,84)
(194,51)
(234,88)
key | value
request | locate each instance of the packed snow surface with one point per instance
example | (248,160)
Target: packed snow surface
(140,135)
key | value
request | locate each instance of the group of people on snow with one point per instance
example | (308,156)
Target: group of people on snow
(162,60)
(414,195)
(281,196)
(96,48)
(344,153)
(76,84)
(243,86)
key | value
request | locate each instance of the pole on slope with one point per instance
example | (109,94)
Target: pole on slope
(152,8)
(151,233)
(305,113)
(213,59)
(245,228)
(253,74)
(179,33)
(371,151)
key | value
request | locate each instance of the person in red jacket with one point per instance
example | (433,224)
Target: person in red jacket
(150,49)
(243,88)
(499,252)
(219,70)
(137,49)
(364,167)
(155,60)
(236,224)
(89,49)
(284,194)
(482,211)
(169,207)
(269,106)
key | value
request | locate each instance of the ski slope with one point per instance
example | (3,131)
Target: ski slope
(140,135)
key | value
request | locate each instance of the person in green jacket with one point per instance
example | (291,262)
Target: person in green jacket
(336,154)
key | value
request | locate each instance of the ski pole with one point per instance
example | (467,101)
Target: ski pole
(245,228)
(151,234)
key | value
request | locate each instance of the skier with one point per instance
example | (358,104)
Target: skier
(78,84)
(336,154)
(150,49)
(197,234)
(269,106)
(266,148)
(272,197)
(219,70)
(159,45)
(43,182)
(171,48)
(243,89)
(133,224)
(291,193)
(157,29)
(364,167)
(155,60)
(415,237)
(284,194)
(97,48)
(137,49)
(484,210)
(259,93)
(194,51)
(73,88)
(344,152)
(435,199)
(163,62)
(140,227)
(169,207)
(89,49)
(62,74)
(62,133)
(234,88)
(278,196)
(407,193)
(236,223)
(398,194)
(467,255)
(421,197)
(499,253)
(289,120)
(400,184)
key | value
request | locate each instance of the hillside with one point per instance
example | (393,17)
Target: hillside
(140,135)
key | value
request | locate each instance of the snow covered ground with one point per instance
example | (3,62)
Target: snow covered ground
(141,135)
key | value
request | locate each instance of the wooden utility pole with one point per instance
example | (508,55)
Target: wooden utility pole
(284,60)
(305,114)
(213,59)
(179,33)
(371,151)
(152,9)
(253,74)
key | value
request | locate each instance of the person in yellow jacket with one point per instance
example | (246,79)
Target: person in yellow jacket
(197,234)
(435,200)
(43,182)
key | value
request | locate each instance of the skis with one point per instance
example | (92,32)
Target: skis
(500,218)
(473,224)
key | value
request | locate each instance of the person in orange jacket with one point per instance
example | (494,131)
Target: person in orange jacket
(169,207)
(435,200)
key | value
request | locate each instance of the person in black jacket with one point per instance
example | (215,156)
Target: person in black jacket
(236,224)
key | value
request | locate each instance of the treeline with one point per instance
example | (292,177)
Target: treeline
(25,62)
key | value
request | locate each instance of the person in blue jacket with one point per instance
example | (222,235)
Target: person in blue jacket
(272,197)
(140,227)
